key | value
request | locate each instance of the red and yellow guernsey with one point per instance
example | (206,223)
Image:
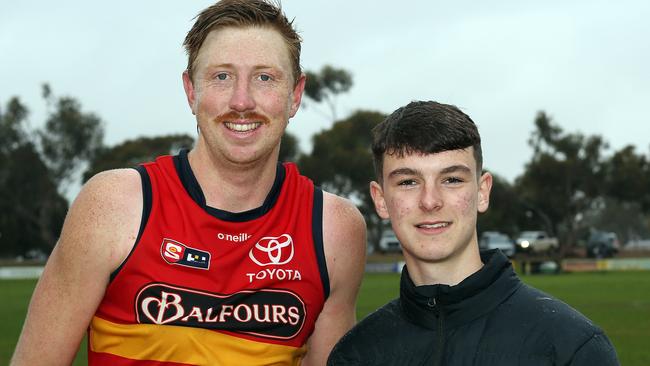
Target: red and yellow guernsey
(203,286)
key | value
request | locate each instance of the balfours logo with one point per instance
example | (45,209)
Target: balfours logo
(174,252)
(272,250)
(269,313)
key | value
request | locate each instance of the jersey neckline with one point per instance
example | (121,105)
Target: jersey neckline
(193,189)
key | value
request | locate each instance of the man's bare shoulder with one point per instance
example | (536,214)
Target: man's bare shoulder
(106,213)
(112,192)
(344,233)
(340,211)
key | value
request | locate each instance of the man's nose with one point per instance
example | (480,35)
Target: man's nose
(241,99)
(430,198)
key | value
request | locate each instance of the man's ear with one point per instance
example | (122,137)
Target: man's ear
(377,194)
(189,90)
(484,188)
(297,93)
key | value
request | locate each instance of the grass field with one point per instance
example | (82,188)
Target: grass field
(618,302)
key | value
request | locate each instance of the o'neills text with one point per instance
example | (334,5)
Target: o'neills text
(265,312)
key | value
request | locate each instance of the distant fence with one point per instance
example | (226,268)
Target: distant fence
(533,265)
(22,272)
(388,267)
(615,264)
(528,266)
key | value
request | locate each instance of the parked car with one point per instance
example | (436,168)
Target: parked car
(536,242)
(497,240)
(388,242)
(602,244)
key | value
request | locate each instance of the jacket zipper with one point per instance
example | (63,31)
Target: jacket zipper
(433,304)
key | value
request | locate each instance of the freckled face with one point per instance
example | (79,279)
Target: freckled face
(432,202)
(243,92)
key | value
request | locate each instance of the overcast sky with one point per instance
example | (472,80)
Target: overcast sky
(586,63)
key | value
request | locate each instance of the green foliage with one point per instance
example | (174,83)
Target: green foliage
(325,85)
(628,177)
(133,152)
(31,208)
(327,82)
(505,209)
(625,218)
(341,162)
(12,125)
(561,179)
(569,187)
(70,137)
(289,149)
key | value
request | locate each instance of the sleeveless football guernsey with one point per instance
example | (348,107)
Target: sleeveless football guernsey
(203,286)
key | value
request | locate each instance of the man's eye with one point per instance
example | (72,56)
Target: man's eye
(264,77)
(222,76)
(406,182)
(453,180)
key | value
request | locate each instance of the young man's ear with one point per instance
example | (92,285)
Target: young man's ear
(484,188)
(377,194)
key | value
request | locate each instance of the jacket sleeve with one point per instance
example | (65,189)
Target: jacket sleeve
(340,359)
(597,350)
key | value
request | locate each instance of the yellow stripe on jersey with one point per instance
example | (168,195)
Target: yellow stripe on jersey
(188,345)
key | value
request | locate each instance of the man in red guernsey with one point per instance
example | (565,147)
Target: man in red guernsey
(216,256)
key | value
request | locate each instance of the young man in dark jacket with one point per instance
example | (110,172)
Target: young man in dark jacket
(456,306)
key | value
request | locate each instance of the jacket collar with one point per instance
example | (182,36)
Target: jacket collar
(475,296)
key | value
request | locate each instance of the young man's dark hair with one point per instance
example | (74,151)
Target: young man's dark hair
(426,128)
(457,306)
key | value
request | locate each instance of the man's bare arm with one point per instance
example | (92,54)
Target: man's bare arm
(99,231)
(344,240)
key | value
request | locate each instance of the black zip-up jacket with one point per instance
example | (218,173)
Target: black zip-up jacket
(490,318)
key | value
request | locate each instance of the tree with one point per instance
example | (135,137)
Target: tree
(70,138)
(622,217)
(505,209)
(341,162)
(289,149)
(13,131)
(31,208)
(326,85)
(133,152)
(563,177)
(627,177)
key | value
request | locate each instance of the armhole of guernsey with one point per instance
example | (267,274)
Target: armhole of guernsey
(146,210)
(317,233)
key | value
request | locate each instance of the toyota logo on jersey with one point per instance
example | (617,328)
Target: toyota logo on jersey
(272,250)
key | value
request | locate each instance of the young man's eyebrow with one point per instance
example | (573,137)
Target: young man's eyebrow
(455,169)
(448,170)
(403,171)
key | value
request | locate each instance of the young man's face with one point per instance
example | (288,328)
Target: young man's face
(243,92)
(432,202)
